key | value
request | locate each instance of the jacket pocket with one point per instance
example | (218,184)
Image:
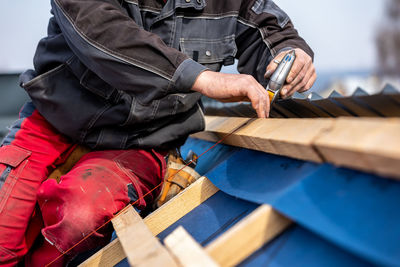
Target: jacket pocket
(210,51)
(73,110)
(96,85)
(89,80)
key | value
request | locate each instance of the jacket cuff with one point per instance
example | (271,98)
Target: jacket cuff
(186,74)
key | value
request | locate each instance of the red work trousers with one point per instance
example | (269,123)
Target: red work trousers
(99,185)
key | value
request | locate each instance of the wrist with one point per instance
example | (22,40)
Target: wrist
(186,74)
(202,80)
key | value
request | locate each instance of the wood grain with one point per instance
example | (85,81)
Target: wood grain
(371,145)
(367,144)
(286,137)
(138,242)
(247,236)
(108,256)
(186,250)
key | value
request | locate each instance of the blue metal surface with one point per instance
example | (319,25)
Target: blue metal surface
(295,247)
(299,247)
(354,210)
(344,217)
(213,217)
(212,158)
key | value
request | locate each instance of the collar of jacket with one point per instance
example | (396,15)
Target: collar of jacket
(196,4)
(171,6)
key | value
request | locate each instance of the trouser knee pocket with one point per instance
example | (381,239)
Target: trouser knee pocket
(14,160)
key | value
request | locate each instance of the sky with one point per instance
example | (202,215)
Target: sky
(341,32)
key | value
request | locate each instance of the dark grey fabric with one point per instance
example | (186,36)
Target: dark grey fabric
(118,74)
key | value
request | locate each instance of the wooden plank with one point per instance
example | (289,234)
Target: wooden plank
(186,250)
(180,205)
(138,242)
(160,219)
(108,256)
(248,235)
(367,144)
(286,137)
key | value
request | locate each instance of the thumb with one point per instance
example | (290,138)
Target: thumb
(273,65)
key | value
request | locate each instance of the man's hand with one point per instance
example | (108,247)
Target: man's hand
(302,75)
(233,88)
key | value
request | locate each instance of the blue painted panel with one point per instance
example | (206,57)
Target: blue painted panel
(260,177)
(357,211)
(212,158)
(299,247)
(216,215)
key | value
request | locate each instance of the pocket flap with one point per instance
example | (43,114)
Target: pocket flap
(96,85)
(208,51)
(13,155)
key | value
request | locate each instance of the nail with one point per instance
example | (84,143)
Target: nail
(267,73)
(290,79)
(284,91)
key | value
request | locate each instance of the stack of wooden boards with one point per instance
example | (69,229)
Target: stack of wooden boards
(339,216)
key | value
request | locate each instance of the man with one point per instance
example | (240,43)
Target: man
(125,78)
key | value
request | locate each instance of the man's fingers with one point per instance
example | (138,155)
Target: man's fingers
(265,100)
(273,65)
(233,87)
(311,82)
(259,99)
(289,87)
(261,105)
(301,76)
(257,104)
(301,85)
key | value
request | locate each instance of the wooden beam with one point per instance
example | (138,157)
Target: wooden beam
(247,236)
(287,137)
(138,242)
(187,252)
(371,145)
(367,144)
(160,219)
(180,205)
(108,256)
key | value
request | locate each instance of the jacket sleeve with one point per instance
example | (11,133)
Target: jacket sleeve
(113,46)
(263,31)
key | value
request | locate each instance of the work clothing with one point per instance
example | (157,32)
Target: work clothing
(99,185)
(27,154)
(118,74)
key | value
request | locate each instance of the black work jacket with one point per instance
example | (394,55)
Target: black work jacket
(118,74)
